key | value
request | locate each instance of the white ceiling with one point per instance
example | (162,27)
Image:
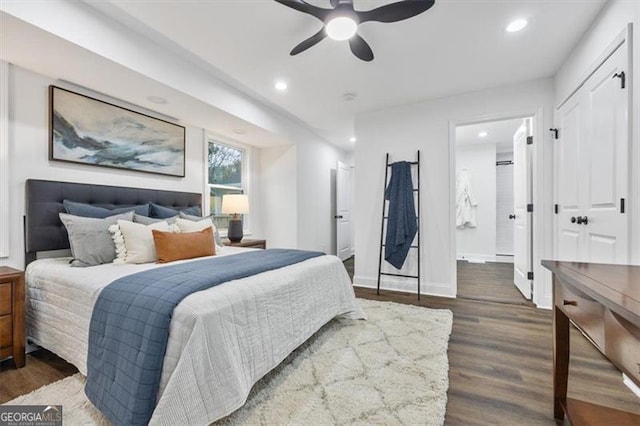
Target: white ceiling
(85,69)
(498,132)
(455,47)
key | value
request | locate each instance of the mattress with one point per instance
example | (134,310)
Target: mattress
(221,340)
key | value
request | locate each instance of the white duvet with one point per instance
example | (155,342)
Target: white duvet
(221,340)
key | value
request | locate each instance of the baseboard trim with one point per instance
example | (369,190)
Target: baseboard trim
(482,258)
(405,286)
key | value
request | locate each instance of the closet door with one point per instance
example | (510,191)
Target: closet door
(592,168)
(606,162)
(568,171)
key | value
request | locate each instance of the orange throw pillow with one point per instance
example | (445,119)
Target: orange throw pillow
(176,246)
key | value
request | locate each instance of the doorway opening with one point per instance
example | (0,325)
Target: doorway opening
(493,218)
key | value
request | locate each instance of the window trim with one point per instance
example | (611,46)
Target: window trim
(245,176)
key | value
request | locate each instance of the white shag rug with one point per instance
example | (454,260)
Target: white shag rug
(390,369)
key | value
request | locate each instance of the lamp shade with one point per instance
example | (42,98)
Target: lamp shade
(235,203)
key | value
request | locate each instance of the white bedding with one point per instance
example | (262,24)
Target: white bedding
(221,340)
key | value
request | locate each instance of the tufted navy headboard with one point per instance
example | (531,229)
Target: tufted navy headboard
(43,229)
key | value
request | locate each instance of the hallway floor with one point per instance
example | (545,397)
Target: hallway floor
(491,282)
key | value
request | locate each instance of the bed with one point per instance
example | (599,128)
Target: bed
(221,340)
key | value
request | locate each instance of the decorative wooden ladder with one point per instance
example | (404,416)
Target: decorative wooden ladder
(384,209)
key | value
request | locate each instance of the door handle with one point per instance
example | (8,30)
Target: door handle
(512,216)
(573,219)
(338,217)
(583,220)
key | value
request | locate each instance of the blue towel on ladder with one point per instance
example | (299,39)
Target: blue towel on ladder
(402,223)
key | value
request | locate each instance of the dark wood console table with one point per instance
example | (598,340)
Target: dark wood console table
(603,301)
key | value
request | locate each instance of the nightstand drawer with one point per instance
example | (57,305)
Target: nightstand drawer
(6,333)
(5,298)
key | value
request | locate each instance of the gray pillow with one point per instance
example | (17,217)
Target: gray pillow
(88,210)
(145,220)
(89,238)
(198,219)
(161,212)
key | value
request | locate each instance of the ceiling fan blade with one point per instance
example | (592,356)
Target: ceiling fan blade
(310,42)
(304,7)
(361,48)
(396,11)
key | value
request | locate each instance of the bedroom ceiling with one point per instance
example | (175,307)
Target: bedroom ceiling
(499,133)
(455,47)
(461,46)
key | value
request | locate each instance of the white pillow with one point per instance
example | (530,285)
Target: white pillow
(134,241)
(185,225)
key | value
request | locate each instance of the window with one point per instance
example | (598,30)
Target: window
(226,176)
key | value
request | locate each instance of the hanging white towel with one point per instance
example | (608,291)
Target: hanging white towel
(465,201)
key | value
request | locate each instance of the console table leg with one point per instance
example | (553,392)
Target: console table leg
(560,361)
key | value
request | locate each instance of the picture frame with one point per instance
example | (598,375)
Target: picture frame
(86,130)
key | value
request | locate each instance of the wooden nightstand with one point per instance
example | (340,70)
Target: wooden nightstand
(12,338)
(246,242)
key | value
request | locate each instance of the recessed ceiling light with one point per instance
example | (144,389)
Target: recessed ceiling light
(353,139)
(517,25)
(157,99)
(483,134)
(281,86)
(341,28)
(239,131)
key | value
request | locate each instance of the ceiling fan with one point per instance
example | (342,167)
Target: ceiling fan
(341,22)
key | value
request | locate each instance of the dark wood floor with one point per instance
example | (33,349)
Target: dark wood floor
(500,364)
(491,281)
(499,360)
(42,368)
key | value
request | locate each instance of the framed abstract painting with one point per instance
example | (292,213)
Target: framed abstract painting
(90,131)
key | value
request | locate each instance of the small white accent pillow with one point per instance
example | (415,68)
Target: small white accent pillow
(134,241)
(185,225)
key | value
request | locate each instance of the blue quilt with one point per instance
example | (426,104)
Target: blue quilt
(129,327)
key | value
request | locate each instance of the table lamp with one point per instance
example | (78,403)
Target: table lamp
(235,204)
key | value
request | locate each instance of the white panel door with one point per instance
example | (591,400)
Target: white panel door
(522,260)
(504,209)
(592,168)
(606,162)
(343,211)
(568,171)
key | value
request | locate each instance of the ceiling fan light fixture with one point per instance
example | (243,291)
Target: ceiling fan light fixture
(341,28)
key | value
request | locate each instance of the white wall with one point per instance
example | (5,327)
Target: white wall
(29,156)
(279,196)
(610,23)
(479,243)
(428,126)
(316,180)
(291,186)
